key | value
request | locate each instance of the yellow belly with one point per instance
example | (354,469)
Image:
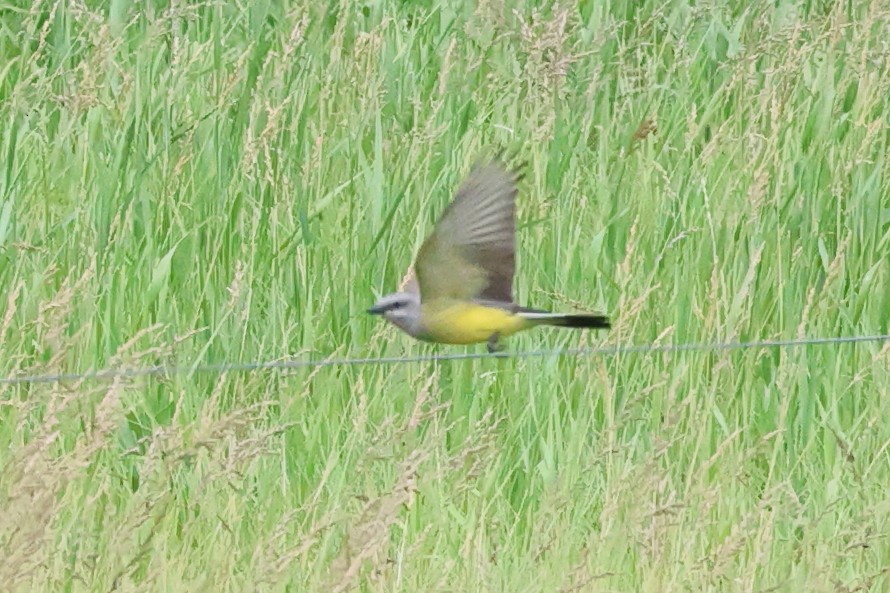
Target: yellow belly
(460,322)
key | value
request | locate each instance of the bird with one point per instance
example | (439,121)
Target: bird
(460,287)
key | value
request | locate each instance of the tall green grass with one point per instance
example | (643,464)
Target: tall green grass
(188,183)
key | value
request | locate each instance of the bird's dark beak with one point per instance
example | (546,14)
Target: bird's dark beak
(377,310)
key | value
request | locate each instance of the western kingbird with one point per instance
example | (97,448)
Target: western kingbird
(461,288)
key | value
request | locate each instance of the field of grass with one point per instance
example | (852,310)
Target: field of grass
(199,183)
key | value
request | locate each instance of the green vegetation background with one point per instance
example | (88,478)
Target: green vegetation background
(221,181)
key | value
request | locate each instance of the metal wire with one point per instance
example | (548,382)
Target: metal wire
(242,367)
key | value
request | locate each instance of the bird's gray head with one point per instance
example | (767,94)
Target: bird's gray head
(402,309)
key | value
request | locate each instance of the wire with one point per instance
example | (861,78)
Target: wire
(242,367)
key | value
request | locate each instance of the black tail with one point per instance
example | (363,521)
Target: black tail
(588,321)
(558,319)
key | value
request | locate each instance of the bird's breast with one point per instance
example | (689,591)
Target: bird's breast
(460,322)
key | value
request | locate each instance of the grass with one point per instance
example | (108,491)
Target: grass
(195,183)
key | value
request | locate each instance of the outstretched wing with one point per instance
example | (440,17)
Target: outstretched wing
(471,251)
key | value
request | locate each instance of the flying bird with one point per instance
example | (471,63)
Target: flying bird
(460,289)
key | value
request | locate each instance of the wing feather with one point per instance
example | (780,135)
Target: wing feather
(471,252)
